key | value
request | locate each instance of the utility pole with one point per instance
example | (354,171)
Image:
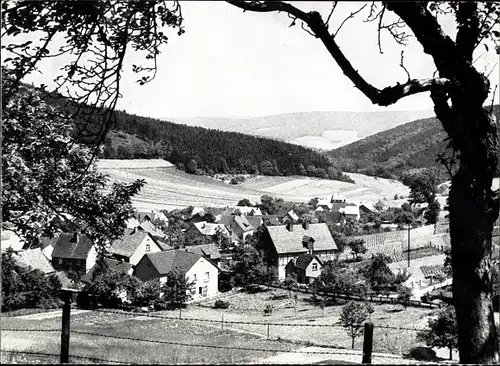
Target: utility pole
(409,227)
(67,294)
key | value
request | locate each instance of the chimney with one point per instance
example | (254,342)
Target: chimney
(289,226)
(310,247)
(305,225)
(74,238)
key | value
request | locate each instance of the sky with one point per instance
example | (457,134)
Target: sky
(242,65)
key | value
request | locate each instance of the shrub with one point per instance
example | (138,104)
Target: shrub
(422,354)
(221,304)
(268,309)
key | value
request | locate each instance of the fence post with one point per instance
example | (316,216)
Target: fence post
(368,343)
(267,330)
(66,311)
(222,321)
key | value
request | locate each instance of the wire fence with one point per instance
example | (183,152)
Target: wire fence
(9,356)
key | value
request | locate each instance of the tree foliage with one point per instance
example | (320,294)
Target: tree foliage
(442,330)
(27,287)
(176,290)
(45,176)
(247,266)
(352,317)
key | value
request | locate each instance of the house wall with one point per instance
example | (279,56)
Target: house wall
(199,270)
(283,260)
(91,259)
(309,270)
(145,271)
(141,250)
(48,252)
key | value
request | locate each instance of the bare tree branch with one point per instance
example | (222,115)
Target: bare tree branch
(334,5)
(403,66)
(383,97)
(346,19)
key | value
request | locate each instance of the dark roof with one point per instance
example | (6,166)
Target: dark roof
(291,241)
(255,221)
(178,260)
(113,264)
(67,247)
(304,260)
(141,216)
(35,259)
(273,219)
(129,242)
(207,250)
(239,220)
(46,241)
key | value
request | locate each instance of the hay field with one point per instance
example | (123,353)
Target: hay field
(168,187)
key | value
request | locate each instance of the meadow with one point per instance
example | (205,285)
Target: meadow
(168,187)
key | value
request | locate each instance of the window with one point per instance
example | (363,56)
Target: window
(148,247)
(194,277)
(207,276)
(315,267)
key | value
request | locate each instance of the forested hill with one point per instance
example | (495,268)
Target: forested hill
(389,153)
(205,151)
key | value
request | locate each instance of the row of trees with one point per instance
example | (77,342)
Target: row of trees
(110,288)
(201,151)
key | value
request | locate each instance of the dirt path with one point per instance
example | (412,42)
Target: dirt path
(314,355)
(50,315)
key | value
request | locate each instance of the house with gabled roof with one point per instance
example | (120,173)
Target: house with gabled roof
(307,267)
(205,231)
(290,216)
(133,245)
(209,251)
(200,271)
(113,264)
(238,226)
(285,243)
(47,245)
(35,259)
(350,211)
(74,252)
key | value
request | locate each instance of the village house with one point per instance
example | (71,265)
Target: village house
(132,246)
(199,270)
(350,211)
(238,227)
(35,259)
(206,232)
(286,243)
(307,267)
(290,216)
(74,252)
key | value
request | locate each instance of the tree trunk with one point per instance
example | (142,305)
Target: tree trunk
(473,210)
(451,353)
(352,344)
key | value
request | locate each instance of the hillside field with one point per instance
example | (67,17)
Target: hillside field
(168,187)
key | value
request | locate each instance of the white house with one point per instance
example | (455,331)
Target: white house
(308,267)
(200,271)
(11,240)
(74,251)
(133,245)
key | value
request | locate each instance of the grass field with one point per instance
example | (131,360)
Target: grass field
(170,188)
(98,337)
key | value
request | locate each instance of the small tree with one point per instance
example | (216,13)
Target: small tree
(404,294)
(146,293)
(357,247)
(176,290)
(442,330)
(247,266)
(291,283)
(352,317)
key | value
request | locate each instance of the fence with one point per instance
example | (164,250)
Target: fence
(267,331)
(385,299)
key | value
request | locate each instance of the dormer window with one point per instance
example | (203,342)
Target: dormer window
(148,247)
